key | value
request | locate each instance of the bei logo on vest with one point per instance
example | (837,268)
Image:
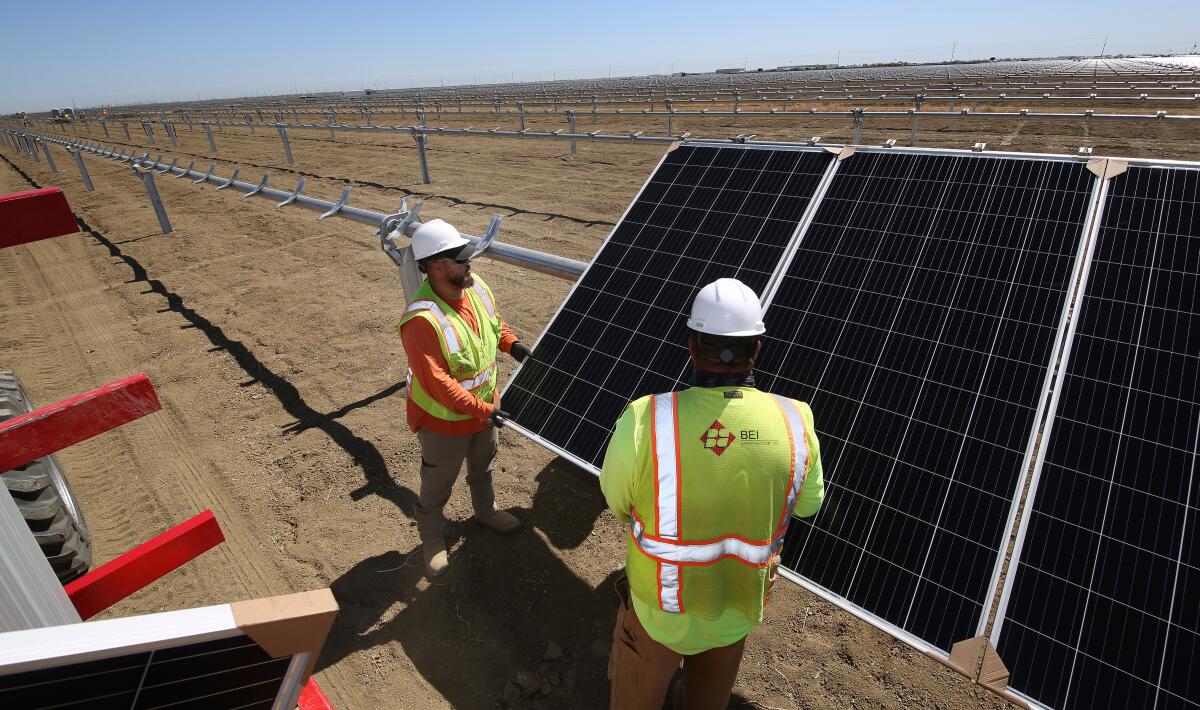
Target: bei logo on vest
(716,439)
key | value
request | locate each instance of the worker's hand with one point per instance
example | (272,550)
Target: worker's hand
(499,418)
(520,351)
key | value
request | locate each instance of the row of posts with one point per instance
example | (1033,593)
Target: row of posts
(28,145)
(858,116)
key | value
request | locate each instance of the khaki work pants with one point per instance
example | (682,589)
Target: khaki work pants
(641,668)
(441,460)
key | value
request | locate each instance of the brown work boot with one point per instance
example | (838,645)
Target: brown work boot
(436,559)
(432,528)
(499,520)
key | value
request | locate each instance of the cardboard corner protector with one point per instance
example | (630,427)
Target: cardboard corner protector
(1105,168)
(842,153)
(290,624)
(977,659)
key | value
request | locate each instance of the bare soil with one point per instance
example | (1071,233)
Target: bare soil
(270,339)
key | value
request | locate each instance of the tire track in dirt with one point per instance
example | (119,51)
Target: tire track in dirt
(162,433)
(514,210)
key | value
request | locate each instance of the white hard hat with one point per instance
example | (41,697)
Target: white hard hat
(434,237)
(727,307)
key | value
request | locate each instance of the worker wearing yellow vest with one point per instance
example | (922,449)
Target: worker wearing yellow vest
(451,332)
(707,480)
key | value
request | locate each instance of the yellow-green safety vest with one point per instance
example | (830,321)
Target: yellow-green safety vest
(471,357)
(717,483)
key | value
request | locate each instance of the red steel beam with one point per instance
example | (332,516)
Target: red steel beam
(311,698)
(37,214)
(113,581)
(46,430)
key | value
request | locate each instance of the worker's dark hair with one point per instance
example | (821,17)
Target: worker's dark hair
(720,352)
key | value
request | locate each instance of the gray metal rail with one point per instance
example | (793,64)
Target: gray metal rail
(541,262)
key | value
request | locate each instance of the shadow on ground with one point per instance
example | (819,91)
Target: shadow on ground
(509,624)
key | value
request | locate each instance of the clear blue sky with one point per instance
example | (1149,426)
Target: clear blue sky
(112,51)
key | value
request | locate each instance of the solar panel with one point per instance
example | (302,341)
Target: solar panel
(918,317)
(706,213)
(1103,606)
(254,654)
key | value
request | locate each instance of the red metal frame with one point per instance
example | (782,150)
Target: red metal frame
(311,698)
(47,429)
(38,214)
(111,582)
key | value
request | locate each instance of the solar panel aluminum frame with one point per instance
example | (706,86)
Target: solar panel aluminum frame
(1048,427)
(56,646)
(1091,223)
(789,249)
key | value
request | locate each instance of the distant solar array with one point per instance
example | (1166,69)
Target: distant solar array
(921,302)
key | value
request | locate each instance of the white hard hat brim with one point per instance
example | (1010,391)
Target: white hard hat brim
(700,328)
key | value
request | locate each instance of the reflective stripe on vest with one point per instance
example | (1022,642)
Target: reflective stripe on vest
(666,546)
(485,297)
(478,381)
(443,322)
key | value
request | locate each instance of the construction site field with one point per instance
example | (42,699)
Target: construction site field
(270,338)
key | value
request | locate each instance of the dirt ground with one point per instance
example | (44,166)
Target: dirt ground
(270,339)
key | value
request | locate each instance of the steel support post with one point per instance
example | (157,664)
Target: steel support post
(571,127)
(220,126)
(83,173)
(737,99)
(670,110)
(912,138)
(332,137)
(858,121)
(188,119)
(420,139)
(104,125)
(295,115)
(421,117)
(125,125)
(593,109)
(521,110)
(33,152)
(287,148)
(87,126)
(250,123)
(212,143)
(49,158)
(367,114)
(147,176)
(149,131)
(170,129)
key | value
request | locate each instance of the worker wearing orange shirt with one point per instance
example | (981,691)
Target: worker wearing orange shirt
(451,332)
